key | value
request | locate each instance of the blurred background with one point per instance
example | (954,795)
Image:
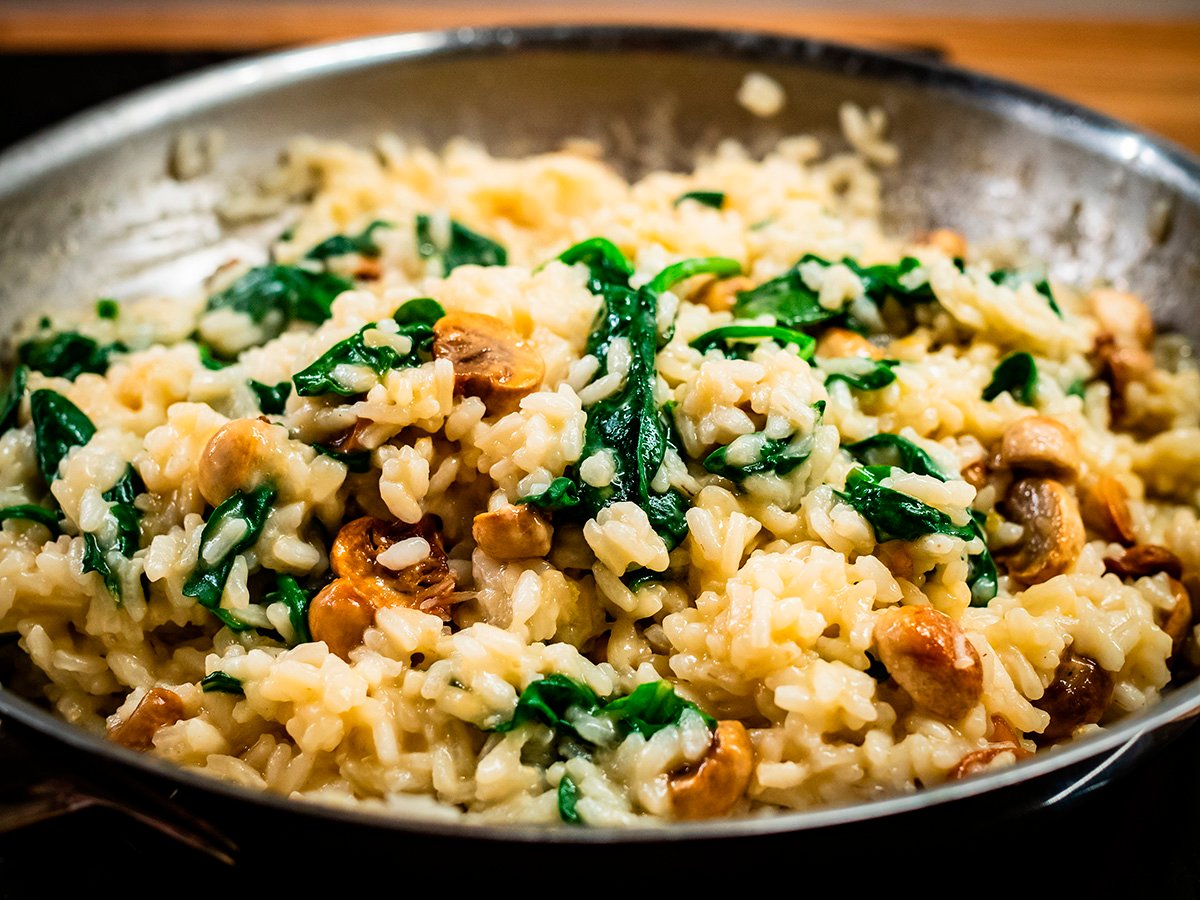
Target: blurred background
(1138,60)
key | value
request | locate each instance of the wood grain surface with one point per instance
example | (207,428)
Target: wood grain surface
(1146,71)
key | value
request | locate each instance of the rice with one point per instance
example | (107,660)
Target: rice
(503,546)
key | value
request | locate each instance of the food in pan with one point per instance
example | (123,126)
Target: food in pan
(510,490)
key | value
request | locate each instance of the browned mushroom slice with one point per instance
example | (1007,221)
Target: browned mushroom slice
(1078,695)
(931,658)
(1104,506)
(719,780)
(1141,560)
(491,361)
(1179,621)
(350,440)
(427,585)
(339,615)
(234,459)
(160,707)
(981,760)
(839,343)
(1054,533)
(512,532)
(1124,316)
(1041,446)
(949,241)
(720,294)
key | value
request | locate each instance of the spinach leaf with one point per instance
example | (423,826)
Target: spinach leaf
(1017,374)
(67,354)
(568,797)
(31,512)
(95,557)
(778,455)
(892,450)
(557,702)
(982,577)
(629,422)
(466,247)
(876,374)
(1013,279)
(357,461)
(286,293)
(362,243)
(296,599)
(715,199)
(222,683)
(10,402)
(58,426)
(1077,388)
(415,319)
(891,280)
(272,399)
(207,581)
(563,493)
(895,515)
(107,308)
(726,338)
(650,708)
(208,359)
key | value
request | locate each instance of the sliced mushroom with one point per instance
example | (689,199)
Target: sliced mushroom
(1104,506)
(981,760)
(1079,695)
(929,655)
(720,294)
(1141,560)
(839,343)
(1124,316)
(339,615)
(160,707)
(512,532)
(235,459)
(427,585)
(350,441)
(1054,533)
(949,241)
(1178,622)
(491,361)
(1041,446)
(718,781)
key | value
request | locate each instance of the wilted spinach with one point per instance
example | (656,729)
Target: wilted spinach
(563,493)
(628,422)
(568,797)
(67,354)
(10,402)
(206,584)
(732,340)
(31,512)
(272,399)
(295,599)
(58,426)
(222,683)
(284,293)
(362,243)
(1017,373)
(874,375)
(715,199)
(357,461)
(466,247)
(95,557)
(892,450)
(1013,279)
(559,702)
(415,319)
(777,456)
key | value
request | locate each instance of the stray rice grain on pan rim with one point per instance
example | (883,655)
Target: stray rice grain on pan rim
(507,490)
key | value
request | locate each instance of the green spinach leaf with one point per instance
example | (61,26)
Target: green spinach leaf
(107,308)
(982,577)
(874,375)
(67,354)
(415,319)
(894,515)
(568,797)
(128,539)
(466,247)
(715,199)
(778,456)
(58,426)
(650,708)
(31,512)
(563,493)
(222,683)
(892,450)
(284,293)
(357,461)
(362,243)
(206,584)
(10,402)
(730,339)
(1013,279)
(272,399)
(1017,373)
(296,599)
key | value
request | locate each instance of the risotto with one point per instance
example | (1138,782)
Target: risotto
(509,490)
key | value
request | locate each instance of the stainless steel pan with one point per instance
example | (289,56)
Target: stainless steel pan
(89,209)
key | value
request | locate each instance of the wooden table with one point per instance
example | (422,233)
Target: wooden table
(1145,71)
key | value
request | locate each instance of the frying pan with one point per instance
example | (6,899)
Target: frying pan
(91,209)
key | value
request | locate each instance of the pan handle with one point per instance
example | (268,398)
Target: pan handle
(34,789)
